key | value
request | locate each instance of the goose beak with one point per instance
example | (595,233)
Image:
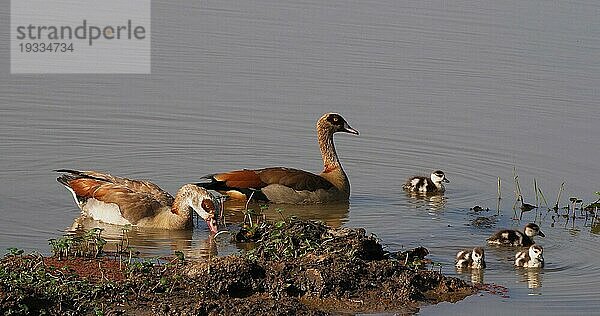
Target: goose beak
(349,129)
(541,234)
(446,180)
(211,222)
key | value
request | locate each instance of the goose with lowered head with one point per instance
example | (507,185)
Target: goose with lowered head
(123,201)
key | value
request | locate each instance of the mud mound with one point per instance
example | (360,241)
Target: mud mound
(297,267)
(295,238)
(327,270)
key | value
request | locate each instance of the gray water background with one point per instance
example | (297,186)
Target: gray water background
(472,88)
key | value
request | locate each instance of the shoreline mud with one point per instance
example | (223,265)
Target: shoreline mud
(297,267)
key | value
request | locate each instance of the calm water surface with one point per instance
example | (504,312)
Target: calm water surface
(470,88)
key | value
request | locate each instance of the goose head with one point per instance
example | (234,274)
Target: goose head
(205,204)
(333,123)
(532,229)
(438,177)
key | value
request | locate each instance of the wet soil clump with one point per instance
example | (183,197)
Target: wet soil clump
(297,267)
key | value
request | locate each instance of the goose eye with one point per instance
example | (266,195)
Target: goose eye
(208,205)
(335,119)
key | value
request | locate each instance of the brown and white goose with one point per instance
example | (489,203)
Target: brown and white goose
(122,201)
(293,186)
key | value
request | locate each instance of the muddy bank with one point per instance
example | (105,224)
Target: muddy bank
(298,267)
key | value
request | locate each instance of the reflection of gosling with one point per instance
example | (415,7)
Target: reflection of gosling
(509,237)
(471,259)
(425,184)
(533,258)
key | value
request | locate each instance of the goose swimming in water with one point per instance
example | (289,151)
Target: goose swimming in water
(292,186)
(433,183)
(509,237)
(122,201)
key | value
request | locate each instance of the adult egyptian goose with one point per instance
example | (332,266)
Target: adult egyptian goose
(474,258)
(122,201)
(532,258)
(509,237)
(425,184)
(292,186)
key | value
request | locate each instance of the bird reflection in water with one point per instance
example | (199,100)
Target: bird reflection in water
(533,277)
(430,201)
(475,274)
(199,243)
(149,242)
(332,214)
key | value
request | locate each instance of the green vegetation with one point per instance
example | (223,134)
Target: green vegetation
(293,238)
(32,285)
(29,286)
(89,245)
(573,210)
(251,229)
(286,239)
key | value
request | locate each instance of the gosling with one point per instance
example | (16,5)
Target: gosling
(474,259)
(533,258)
(509,237)
(433,184)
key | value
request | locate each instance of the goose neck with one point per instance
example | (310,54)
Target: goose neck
(182,203)
(331,161)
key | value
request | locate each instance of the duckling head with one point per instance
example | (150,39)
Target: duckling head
(532,229)
(478,256)
(536,252)
(438,177)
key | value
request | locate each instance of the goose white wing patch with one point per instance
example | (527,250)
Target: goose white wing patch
(105,212)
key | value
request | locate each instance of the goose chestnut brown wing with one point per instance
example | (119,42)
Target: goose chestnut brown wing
(296,179)
(138,186)
(135,199)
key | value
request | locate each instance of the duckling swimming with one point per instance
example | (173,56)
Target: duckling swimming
(424,184)
(509,237)
(533,258)
(474,259)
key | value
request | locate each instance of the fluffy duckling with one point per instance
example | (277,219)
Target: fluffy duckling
(509,237)
(424,184)
(474,259)
(533,258)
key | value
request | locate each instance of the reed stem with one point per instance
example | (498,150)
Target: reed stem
(562,185)
(499,192)
(535,188)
